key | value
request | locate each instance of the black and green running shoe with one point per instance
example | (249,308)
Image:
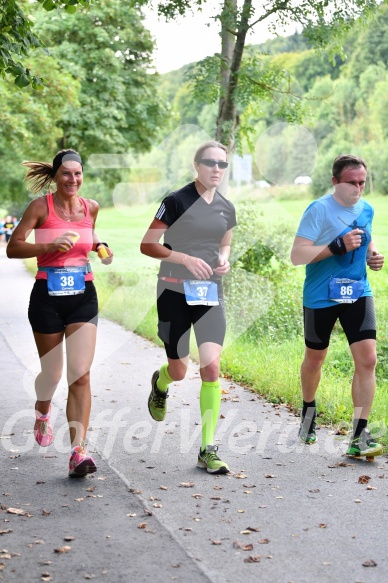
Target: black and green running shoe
(364,445)
(157,405)
(307,432)
(209,460)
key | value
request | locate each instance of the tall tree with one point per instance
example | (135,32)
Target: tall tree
(108,50)
(240,82)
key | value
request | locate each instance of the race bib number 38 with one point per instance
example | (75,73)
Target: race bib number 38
(345,291)
(201,293)
(65,281)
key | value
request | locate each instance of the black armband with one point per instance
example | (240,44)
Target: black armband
(337,246)
(101,243)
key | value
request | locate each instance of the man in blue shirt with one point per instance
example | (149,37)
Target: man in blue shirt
(334,241)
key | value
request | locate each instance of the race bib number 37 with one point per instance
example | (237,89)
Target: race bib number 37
(345,291)
(201,293)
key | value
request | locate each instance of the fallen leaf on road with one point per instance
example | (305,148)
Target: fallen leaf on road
(263,541)
(269,476)
(68,538)
(2,565)
(157,505)
(369,563)
(245,532)
(142,525)
(131,515)
(242,546)
(46,577)
(65,549)
(19,511)
(253,559)
(371,488)
(364,479)
(215,542)
(6,531)
(240,476)
(322,525)
(163,487)
(187,484)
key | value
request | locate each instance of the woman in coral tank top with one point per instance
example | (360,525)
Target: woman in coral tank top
(63,303)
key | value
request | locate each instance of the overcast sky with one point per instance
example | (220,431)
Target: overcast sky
(189,39)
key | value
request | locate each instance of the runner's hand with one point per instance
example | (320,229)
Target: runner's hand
(353,239)
(198,267)
(62,243)
(375,261)
(223,267)
(107,260)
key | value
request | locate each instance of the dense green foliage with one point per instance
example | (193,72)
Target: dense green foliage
(100,94)
(17,37)
(344,106)
(238,81)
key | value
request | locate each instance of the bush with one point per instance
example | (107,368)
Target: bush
(262,292)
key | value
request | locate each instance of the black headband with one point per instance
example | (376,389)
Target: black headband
(66,156)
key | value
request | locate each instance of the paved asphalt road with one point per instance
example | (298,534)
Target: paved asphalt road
(287,512)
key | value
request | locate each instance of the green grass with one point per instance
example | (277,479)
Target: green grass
(127,295)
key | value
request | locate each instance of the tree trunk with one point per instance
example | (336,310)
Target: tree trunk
(227,121)
(228,43)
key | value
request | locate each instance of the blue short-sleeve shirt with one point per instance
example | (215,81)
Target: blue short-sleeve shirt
(324,220)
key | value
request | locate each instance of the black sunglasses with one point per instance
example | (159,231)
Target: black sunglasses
(211,163)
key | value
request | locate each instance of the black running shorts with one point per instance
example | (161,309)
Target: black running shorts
(175,318)
(358,321)
(51,314)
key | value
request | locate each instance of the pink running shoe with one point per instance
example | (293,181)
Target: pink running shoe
(42,429)
(81,463)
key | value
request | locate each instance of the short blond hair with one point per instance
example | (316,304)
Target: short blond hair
(205,146)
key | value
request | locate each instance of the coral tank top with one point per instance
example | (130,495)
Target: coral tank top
(54,227)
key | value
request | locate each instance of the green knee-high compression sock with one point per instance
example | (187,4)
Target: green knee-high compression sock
(164,378)
(209,402)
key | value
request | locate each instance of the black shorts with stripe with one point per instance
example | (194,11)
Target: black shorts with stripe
(175,318)
(358,321)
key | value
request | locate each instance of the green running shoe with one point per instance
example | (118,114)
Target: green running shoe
(365,445)
(157,400)
(209,460)
(307,431)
